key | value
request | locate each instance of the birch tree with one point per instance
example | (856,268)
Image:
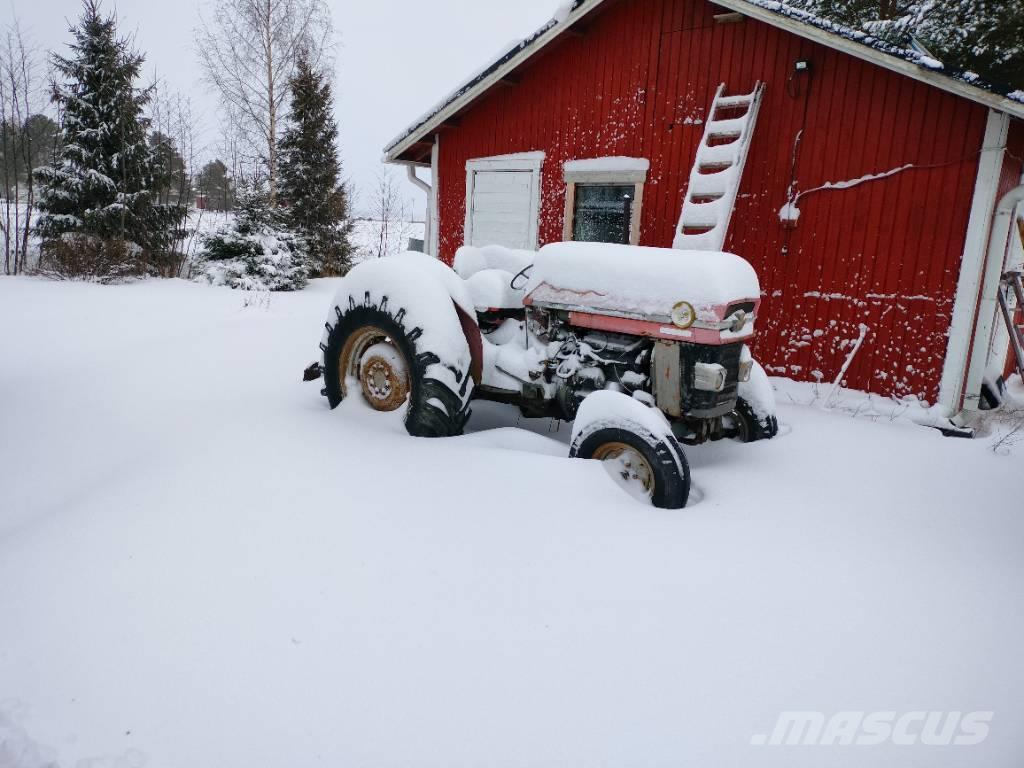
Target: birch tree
(248,50)
(24,134)
(390,218)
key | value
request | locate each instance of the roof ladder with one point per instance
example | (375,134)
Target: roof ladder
(1013,281)
(717,171)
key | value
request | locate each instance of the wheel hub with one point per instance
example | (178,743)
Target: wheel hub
(629,467)
(380,369)
(378,380)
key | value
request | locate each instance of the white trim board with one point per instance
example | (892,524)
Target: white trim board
(972,265)
(607,170)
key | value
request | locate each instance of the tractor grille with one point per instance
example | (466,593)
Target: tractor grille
(709,404)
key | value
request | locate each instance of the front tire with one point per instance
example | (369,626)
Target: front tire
(358,347)
(645,465)
(748,426)
(754,417)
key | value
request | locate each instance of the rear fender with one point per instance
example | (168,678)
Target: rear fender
(476,345)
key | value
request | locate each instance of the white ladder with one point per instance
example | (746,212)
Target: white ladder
(717,171)
(1013,281)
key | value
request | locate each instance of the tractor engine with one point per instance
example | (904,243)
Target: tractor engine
(584,361)
(669,327)
(687,381)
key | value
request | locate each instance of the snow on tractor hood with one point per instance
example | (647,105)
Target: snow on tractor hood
(639,281)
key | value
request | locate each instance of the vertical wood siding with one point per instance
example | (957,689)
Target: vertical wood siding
(884,253)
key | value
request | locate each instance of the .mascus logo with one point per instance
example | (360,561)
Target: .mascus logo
(871,728)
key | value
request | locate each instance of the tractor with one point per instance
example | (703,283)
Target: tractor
(643,349)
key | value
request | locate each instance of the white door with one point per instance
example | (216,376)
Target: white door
(502,207)
(503,200)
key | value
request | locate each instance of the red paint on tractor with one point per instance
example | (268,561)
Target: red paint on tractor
(667,331)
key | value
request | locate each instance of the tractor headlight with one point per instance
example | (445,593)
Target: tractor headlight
(683,315)
(709,377)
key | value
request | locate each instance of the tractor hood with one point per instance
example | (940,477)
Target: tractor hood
(638,282)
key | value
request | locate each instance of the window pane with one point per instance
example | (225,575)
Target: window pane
(602,213)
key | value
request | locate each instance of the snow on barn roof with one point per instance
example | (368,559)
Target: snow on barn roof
(910,62)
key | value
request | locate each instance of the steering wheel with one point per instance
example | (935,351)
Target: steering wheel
(523,273)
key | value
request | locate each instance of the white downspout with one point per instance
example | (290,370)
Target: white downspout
(411,170)
(995,263)
(433,208)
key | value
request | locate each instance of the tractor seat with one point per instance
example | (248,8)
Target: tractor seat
(489,273)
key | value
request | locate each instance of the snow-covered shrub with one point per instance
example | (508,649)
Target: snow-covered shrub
(86,257)
(256,252)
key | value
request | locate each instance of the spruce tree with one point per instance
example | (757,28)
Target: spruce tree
(215,186)
(317,204)
(99,189)
(257,251)
(980,41)
(975,38)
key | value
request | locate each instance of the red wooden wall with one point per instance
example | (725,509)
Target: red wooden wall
(885,253)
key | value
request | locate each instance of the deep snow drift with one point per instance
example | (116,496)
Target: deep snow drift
(200,565)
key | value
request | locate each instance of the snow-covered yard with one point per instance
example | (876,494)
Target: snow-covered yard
(201,565)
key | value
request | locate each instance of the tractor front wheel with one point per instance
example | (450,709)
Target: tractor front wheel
(747,426)
(635,445)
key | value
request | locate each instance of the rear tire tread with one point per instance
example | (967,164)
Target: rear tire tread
(423,418)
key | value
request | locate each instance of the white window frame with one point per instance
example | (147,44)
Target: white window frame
(606,170)
(532,162)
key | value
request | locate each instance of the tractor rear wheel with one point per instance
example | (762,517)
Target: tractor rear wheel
(370,348)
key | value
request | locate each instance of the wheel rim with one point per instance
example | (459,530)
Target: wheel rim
(372,358)
(629,467)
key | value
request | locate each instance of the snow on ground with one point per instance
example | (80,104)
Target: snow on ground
(200,565)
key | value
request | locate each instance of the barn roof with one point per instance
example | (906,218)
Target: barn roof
(414,143)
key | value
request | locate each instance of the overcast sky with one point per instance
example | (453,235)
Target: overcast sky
(395,58)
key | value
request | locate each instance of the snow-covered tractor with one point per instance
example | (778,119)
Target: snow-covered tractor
(643,349)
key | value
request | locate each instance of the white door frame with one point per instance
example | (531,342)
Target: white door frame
(532,162)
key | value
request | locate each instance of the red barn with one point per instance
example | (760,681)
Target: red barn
(866,183)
